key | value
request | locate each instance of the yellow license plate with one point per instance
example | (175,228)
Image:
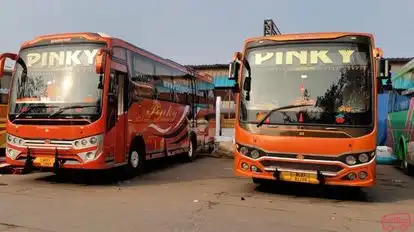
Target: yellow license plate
(299,177)
(45,161)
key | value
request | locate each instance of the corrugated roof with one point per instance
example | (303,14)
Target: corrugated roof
(209,66)
(399,59)
(223,82)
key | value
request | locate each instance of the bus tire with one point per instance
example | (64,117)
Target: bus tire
(136,158)
(191,154)
(407,167)
(258,180)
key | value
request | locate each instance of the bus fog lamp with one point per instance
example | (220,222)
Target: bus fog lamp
(350,160)
(254,169)
(90,155)
(352,176)
(245,166)
(363,158)
(362,175)
(255,154)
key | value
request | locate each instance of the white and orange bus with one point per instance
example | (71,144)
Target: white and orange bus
(307,108)
(91,101)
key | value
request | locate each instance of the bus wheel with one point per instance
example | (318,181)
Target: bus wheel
(258,180)
(191,149)
(135,161)
(407,167)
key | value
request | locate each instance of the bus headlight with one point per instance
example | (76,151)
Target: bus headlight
(244,151)
(363,158)
(350,160)
(16,141)
(88,142)
(255,154)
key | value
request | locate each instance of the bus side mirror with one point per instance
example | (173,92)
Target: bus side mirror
(234,67)
(384,73)
(3,58)
(100,59)
(234,70)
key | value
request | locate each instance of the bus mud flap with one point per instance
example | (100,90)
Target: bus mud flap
(56,164)
(276,174)
(320,177)
(28,164)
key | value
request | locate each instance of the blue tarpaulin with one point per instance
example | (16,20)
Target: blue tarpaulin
(382,118)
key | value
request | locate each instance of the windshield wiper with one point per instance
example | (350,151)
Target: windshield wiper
(31,107)
(260,123)
(63,108)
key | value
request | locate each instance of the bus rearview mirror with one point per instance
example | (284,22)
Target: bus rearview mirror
(3,58)
(100,59)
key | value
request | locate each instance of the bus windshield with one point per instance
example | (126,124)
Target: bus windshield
(56,77)
(332,80)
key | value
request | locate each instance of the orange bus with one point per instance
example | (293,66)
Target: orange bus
(4,99)
(91,101)
(306,108)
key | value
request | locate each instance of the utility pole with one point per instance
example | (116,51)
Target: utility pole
(270,28)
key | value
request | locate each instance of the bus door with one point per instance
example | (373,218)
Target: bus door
(121,117)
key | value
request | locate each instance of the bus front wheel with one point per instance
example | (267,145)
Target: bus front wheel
(407,167)
(136,159)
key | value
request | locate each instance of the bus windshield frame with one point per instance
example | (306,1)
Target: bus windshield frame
(272,68)
(57,80)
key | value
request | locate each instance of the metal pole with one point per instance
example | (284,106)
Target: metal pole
(218,106)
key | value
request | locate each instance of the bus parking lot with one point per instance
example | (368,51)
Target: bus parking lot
(201,196)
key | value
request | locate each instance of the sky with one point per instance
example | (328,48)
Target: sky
(209,31)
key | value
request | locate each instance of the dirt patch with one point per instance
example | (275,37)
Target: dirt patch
(224,150)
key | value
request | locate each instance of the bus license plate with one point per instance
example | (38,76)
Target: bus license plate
(45,161)
(299,177)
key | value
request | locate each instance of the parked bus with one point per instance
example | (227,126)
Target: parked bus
(306,108)
(91,101)
(400,117)
(4,99)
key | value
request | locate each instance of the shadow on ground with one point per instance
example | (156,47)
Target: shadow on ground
(391,186)
(166,170)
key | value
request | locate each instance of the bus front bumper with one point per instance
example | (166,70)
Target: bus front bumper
(29,158)
(307,172)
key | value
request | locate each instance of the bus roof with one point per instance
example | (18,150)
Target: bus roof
(308,36)
(103,37)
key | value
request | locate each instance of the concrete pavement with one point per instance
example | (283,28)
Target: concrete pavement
(199,196)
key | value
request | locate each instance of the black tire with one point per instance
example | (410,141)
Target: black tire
(136,159)
(407,167)
(191,154)
(257,180)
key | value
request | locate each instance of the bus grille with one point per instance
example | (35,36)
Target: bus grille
(302,166)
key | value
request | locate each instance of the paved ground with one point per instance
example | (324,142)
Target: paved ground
(202,196)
